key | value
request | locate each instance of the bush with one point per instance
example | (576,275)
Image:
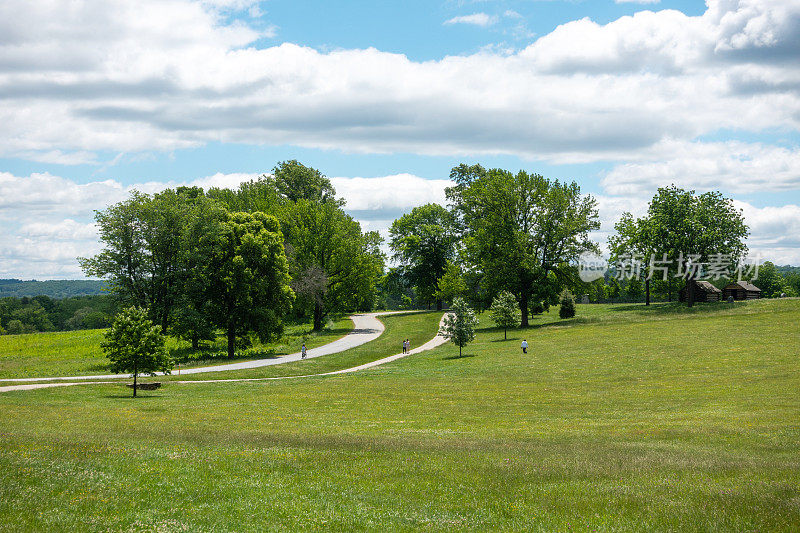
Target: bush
(567,305)
(15,327)
(537,308)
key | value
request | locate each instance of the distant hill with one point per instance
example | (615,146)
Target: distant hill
(62,288)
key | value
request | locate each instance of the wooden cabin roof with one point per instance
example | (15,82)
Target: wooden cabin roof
(746,285)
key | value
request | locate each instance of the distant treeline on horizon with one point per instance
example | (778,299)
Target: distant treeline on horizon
(57,289)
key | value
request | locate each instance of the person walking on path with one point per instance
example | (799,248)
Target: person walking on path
(405,345)
(524,346)
(303,351)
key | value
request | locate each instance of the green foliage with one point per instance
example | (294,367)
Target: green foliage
(144,248)
(451,285)
(57,289)
(771,283)
(505,312)
(522,231)
(680,223)
(295,181)
(334,266)
(423,242)
(244,274)
(42,313)
(134,345)
(459,325)
(567,301)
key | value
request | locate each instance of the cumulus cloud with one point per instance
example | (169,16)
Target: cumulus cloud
(100,75)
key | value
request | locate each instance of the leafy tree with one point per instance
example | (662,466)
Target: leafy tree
(134,345)
(793,280)
(681,223)
(451,285)
(505,312)
(251,196)
(423,241)
(295,181)
(141,258)
(769,280)
(567,309)
(459,325)
(521,231)
(244,275)
(15,327)
(335,266)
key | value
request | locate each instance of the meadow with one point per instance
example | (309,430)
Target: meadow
(77,353)
(623,419)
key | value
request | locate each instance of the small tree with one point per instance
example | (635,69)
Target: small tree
(567,305)
(459,325)
(134,344)
(505,312)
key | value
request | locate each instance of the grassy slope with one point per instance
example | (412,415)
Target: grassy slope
(418,327)
(625,423)
(72,353)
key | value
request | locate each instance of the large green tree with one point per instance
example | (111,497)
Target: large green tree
(295,181)
(521,231)
(680,225)
(244,274)
(141,258)
(335,266)
(423,242)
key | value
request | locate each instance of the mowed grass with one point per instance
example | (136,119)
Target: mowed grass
(73,353)
(417,327)
(643,422)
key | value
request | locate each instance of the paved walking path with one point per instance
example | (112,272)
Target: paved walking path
(367,328)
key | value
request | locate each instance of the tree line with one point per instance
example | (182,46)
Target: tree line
(42,313)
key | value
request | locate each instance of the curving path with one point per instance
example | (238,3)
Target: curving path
(367,328)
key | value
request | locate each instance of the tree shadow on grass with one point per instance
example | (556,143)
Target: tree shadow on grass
(464,356)
(130,396)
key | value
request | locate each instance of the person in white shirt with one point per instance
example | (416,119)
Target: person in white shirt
(524,346)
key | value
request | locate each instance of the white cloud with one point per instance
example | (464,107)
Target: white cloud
(476,19)
(58,213)
(733,166)
(117,76)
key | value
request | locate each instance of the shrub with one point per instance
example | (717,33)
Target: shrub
(567,305)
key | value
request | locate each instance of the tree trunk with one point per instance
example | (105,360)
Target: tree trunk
(505,334)
(523,309)
(231,341)
(459,351)
(669,290)
(690,293)
(439,304)
(134,379)
(317,316)
(647,291)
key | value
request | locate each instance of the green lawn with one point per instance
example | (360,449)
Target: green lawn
(72,353)
(625,419)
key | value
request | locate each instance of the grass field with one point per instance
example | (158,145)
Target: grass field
(73,353)
(624,419)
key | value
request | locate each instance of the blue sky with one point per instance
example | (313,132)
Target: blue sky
(386,97)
